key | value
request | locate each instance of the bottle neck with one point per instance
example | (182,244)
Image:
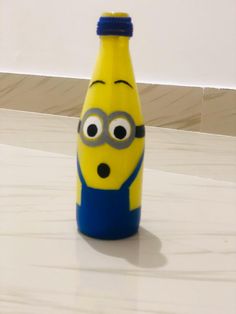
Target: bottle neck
(114,60)
(115,43)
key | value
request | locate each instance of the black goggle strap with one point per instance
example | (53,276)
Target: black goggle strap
(79,124)
(139,130)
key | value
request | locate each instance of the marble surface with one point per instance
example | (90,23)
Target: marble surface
(183,261)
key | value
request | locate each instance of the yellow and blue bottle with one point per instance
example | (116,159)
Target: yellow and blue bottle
(111,139)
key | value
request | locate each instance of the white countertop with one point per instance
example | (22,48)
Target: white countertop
(182,261)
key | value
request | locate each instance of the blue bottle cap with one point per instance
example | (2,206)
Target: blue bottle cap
(115,24)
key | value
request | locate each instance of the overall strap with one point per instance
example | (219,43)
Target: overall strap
(80,173)
(133,175)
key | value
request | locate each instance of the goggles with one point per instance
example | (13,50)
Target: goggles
(118,129)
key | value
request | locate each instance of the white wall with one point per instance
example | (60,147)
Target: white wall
(184,42)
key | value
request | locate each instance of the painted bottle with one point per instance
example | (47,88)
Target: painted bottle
(111,139)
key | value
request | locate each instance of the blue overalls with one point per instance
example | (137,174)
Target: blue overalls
(106,214)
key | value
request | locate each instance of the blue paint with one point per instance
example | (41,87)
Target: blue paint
(118,26)
(106,214)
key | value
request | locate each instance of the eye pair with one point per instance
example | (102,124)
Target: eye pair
(118,129)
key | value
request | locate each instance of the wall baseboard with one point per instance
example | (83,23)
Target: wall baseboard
(179,107)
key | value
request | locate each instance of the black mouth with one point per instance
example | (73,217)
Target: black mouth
(103,170)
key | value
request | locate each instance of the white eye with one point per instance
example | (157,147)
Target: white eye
(120,129)
(92,127)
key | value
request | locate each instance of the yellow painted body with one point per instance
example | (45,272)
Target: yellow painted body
(113,63)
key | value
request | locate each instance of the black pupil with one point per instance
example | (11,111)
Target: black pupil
(92,130)
(120,132)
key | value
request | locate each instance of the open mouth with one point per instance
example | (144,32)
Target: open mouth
(103,170)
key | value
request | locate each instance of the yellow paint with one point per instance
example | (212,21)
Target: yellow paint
(136,191)
(113,63)
(115,14)
(78,194)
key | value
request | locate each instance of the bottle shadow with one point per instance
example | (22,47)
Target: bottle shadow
(142,249)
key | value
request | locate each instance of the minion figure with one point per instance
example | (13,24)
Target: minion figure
(111,139)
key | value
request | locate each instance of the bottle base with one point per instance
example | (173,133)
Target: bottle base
(109,237)
(108,225)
